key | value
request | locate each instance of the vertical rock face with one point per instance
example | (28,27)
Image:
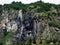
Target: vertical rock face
(20,27)
(29,25)
(14,22)
(23,27)
(9,19)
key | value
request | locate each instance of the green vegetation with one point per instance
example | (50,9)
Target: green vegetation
(54,24)
(16,5)
(29,41)
(6,39)
(49,42)
(41,6)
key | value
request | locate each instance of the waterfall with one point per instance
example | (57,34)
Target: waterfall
(21,18)
(20,14)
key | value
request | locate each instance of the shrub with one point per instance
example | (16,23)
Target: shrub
(54,24)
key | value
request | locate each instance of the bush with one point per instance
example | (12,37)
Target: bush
(54,24)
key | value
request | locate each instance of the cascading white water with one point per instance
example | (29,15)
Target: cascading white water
(20,15)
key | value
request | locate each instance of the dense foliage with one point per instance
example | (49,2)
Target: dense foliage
(41,6)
